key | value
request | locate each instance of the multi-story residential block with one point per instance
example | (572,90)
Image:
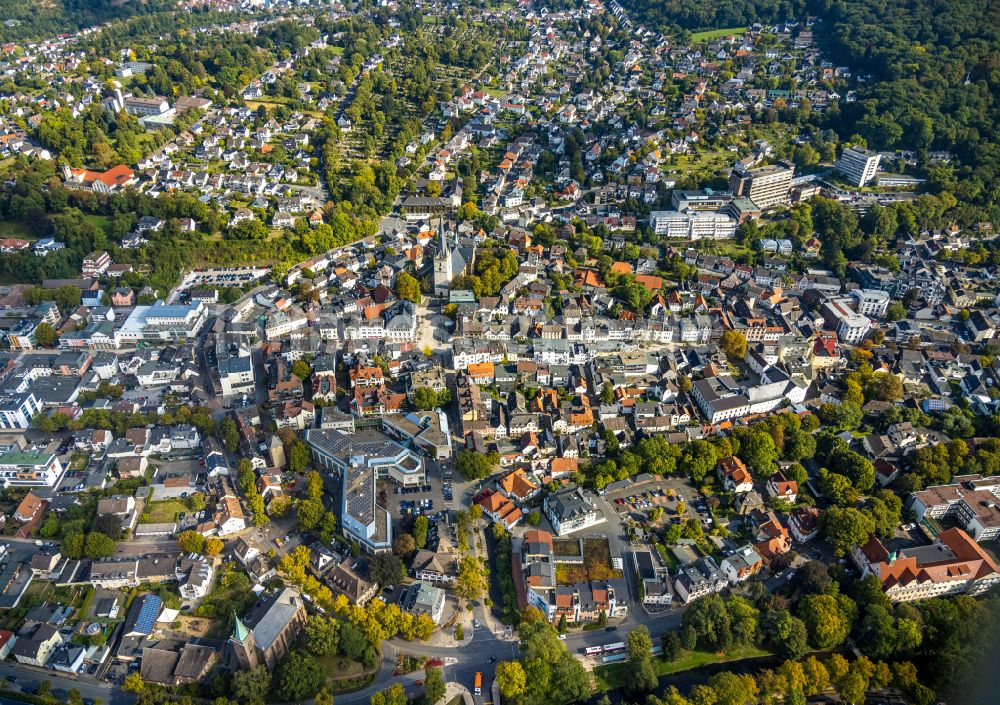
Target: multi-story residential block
(28,468)
(424,598)
(766,186)
(851,327)
(803,523)
(235,369)
(858,166)
(693,225)
(871,302)
(972,500)
(742,565)
(720,399)
(703,577)
(570,509)
(734,475)
(143,107)
(701,200)
(95,264)
(17,409)
(162,323)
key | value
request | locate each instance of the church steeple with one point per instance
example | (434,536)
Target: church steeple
(240,632)
(242,646)
(442,239)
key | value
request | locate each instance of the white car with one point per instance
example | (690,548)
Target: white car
(562,637)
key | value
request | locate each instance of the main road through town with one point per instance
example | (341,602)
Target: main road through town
(462,661)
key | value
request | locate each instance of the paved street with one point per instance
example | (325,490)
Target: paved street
(474,656)
(29,678)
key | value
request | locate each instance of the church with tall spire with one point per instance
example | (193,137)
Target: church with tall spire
(451,259)
(270,630)
(242,645)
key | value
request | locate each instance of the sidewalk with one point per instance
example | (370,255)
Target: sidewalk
(444,636)
(453,690)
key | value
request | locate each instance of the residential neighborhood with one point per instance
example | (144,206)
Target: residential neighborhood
(361,352)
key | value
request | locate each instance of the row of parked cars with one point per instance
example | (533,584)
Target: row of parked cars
(645,499)
(408,507)
(413,490)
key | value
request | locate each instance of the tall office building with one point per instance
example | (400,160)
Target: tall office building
(766,186)
(858,165)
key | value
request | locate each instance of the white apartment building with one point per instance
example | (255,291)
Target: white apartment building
(17,410)
(162,324)
(851,327)
(693,225)
(28,468)
(571,509)
(871,302)
(858,166)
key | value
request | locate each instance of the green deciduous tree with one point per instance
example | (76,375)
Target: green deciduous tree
(407,287)
(420,528)
(734,344)
(251,686)
(45,335)
(699,458)
(322,635)
(299,676)
(434,687)
(846,526)
(471,580)
(511,679)
(309,511)
(826,621)
(474,466)
(229,433)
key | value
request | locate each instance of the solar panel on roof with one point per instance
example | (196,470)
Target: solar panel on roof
(148,613)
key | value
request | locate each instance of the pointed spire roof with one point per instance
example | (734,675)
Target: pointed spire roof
(442,237)
(240,631)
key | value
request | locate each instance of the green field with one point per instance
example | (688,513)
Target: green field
(99,221)
(15,228)
(619,675)
(710,34)
(165,511)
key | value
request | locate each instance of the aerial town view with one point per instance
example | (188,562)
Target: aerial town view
(513,352)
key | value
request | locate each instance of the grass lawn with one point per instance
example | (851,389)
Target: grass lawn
(15,228)
(273,101)
(165,510)
(728,248)
(618,675)
(711,34)
(707,163)
(337,667)
(98,221)
(667,556)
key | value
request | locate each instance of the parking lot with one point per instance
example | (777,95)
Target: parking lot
(406,503)
(221,277)
(636,500)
